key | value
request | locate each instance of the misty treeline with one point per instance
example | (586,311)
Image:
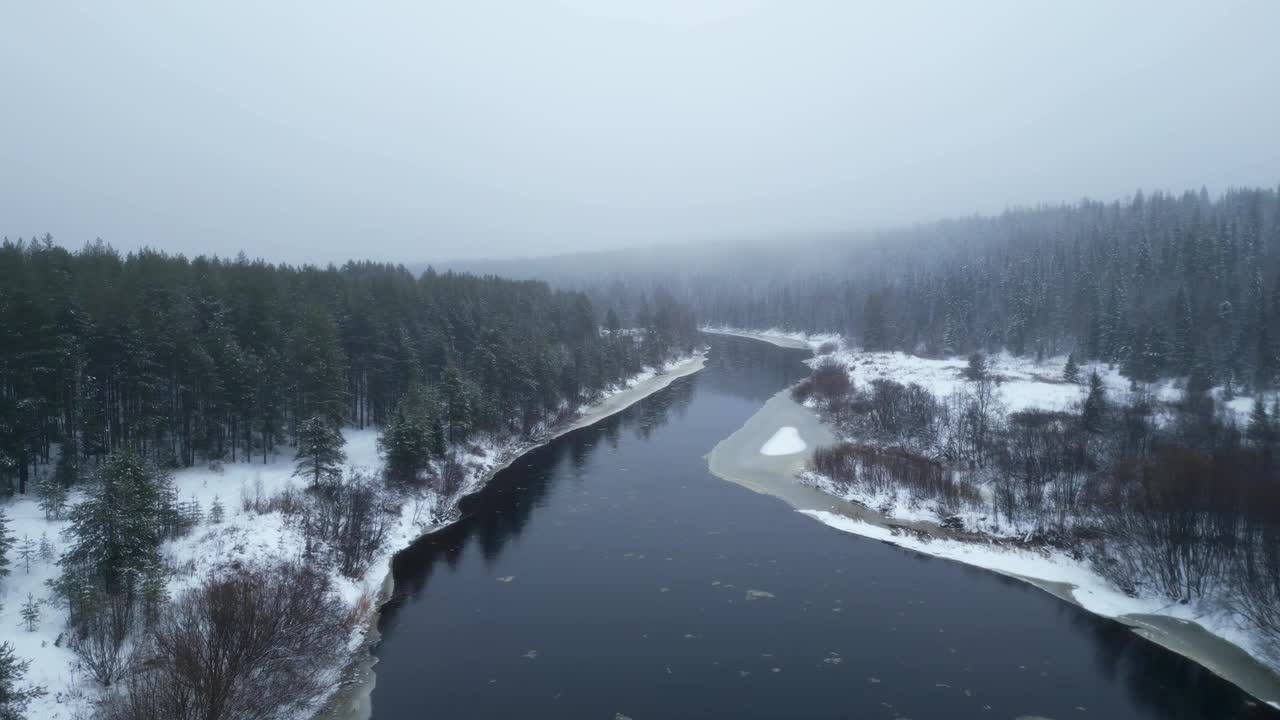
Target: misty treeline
(1160,284)
(185,360)
(1172,498)
(115,369)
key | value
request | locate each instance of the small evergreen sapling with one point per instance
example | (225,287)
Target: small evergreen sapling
(31,613)
(27,550)
(53,498)
(216,512)
(46,548)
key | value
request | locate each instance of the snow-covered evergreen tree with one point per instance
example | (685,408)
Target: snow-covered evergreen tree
(114,538)
(1071,371)
(414,436)
(27,551)
(14,698)
(216,511)
(1094,411)
(53,497)
(31,613)
(320,455)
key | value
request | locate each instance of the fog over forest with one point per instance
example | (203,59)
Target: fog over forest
(318,132)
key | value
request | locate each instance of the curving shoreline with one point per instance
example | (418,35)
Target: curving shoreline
(353,699)
(737,459)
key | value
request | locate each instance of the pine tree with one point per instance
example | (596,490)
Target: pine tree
(6,542)
(27,551)
(320,455)
(1071,371)
(411,439)
(1094,411)
(46,548)
(14,699)
(31,613)
(114,538)
(53,497)
(216,512)
(1261,429)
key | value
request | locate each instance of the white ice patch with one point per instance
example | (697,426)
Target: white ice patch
(786,441)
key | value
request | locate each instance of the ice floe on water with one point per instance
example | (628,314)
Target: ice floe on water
(786,441)
(758,594)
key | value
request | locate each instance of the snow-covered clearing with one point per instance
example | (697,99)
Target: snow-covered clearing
(247,537)
(786,441)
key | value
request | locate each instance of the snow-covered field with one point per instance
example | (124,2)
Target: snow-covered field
(247,537)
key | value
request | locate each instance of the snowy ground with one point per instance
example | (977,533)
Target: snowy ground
(1025,383)
(248,537)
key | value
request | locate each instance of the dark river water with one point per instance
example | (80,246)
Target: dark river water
(608,574)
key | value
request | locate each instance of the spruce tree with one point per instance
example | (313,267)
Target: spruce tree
(216,511)
(27,551)
(410,440)
(1260,429)
(114,537)
(31,613)
(1071,371)
(13,698)
(320,455)
(46,548)
(53,497)
(1094,411)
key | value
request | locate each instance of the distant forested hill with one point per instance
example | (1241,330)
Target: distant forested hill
(1162,284)
(183,359)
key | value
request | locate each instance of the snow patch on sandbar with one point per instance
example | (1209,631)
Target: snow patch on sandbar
(786,441)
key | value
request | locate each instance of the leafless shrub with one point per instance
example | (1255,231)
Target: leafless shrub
(251,645)
(830,380)
(882,470)
(100,634)
(349,520)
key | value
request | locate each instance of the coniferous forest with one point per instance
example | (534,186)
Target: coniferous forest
(183,361)
(1161,284)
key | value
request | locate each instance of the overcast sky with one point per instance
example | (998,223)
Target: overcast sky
(316,131)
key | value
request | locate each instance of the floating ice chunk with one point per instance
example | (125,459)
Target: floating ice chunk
(507,578)
(532,655)
(758,594)
(786,441)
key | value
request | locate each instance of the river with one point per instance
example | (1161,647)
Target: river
(610,575)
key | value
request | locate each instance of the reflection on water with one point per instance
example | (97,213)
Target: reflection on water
(608,573)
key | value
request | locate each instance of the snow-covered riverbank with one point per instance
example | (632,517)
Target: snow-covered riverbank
(1208,632)
(245,536)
